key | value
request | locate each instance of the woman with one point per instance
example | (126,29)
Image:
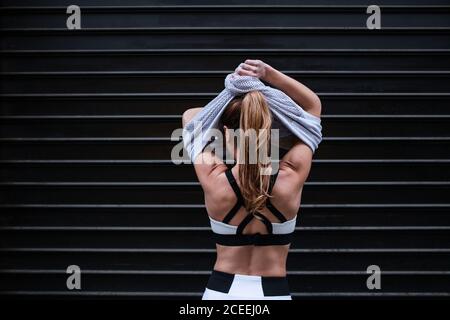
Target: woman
(253,214)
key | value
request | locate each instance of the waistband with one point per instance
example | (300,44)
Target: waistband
(271,286)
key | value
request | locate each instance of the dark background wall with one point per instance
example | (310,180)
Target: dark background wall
(85,154)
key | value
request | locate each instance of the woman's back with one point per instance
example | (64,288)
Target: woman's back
(267,260)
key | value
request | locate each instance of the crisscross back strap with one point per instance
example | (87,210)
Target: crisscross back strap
(234,185)
(269,204)
(249,217)
(273,178)
(232,212)
(244,223)
(266,221)
(237,192)
(275,211)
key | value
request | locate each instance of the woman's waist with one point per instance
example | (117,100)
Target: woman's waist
(263,261)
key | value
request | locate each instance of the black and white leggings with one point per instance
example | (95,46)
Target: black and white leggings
(228,286)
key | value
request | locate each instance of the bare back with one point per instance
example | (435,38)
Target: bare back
(286,194)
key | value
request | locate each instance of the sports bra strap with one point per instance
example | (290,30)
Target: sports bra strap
(232,212)
(275,211)
(240,203)
(244,223)
(237,191)
(249,218)
(266,221)
(234,185)
(273,178)
(269,204)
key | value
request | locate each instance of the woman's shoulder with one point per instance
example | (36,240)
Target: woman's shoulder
(294,167)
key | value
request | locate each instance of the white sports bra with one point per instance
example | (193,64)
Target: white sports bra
(229,235)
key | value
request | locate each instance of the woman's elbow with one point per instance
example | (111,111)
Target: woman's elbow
(188,115)
(316,106)
(185,117)
(317,102)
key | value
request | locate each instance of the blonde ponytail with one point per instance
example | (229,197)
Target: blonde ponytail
(254,115)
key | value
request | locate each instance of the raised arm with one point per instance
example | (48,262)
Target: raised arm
(298,159)
(300,93)
(189,114)
(207,165)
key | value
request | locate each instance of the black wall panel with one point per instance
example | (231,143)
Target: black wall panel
(86,117)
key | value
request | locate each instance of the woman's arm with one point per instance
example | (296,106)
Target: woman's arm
(301,94)
(207,165)
(189,114)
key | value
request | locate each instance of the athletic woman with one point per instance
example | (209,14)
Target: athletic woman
(253,214)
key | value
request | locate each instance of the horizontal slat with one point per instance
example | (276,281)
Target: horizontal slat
(213,29)
(108,3)
(208,272)
(161,148)
(165,170)
(177,81)
(195,59)
(188,193)
(197,282)
(346,215)
(176,139)
(180,260)
(195,183)
(203,250)
(197,239)
(212,51)
(154,148)
(204,228)
(181,206)
(225,16)
(346,95)
(218,73)
(190,295)
(169,162)
(156,126)
(239,37)
(175,104)
(247,8)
